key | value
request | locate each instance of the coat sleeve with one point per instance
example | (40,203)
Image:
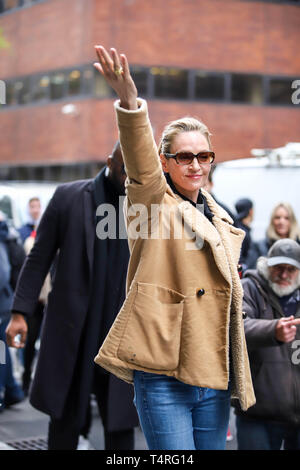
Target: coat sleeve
(145,182)
(259,331)
(40,258)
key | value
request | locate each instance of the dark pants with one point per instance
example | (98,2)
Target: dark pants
(34,326)
(63,436)
(265,435)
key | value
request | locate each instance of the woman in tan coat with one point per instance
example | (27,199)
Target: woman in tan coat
(179,336)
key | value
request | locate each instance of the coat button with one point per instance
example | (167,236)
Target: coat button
(244,315)
(200,292)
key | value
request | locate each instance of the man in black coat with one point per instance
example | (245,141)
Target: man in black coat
(88,291)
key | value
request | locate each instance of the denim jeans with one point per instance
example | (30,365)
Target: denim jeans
(8,384)
(177,416)
(265,435)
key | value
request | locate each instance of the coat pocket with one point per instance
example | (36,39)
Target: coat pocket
(151,336)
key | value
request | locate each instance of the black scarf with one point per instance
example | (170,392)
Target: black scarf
(201,201)
(111,258)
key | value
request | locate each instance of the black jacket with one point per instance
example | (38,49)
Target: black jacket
(274,365)
(68,227)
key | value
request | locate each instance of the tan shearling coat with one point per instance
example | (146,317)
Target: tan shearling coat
(183,310)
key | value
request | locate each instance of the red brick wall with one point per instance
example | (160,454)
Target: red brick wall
(210,34)
(49,136)
(46,36)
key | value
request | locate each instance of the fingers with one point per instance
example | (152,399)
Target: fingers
(125,65)
(115,70)
(290,323)
(109,63)
(104,58)
(16,341)
(116,59)
(16,334)
(285,319)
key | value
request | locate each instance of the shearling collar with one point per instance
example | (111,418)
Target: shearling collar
(213,206)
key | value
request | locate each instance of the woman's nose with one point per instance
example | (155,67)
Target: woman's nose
(195,164)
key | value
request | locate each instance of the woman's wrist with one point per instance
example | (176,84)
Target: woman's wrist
(130,104)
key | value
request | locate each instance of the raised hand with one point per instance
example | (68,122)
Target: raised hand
(115,70)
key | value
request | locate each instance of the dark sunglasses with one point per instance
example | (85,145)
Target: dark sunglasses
(186,158)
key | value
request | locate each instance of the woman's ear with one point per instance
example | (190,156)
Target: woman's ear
(164,163)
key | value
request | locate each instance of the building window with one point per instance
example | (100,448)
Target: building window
(289,2)
(140,77)
(74,82)
(22,90)
(154,82)
(101,88)
(247,89)
(88,80)
(57,86)
(280,91)
(6,5)
(40,88)
(48,173)
(11,95)
(209,86)
(170,82)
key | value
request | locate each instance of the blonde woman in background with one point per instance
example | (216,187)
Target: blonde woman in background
(283,224)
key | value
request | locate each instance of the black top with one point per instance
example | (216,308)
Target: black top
(201,201)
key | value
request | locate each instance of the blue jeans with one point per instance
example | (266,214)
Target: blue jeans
(177,416)
(265,435)
(8,383)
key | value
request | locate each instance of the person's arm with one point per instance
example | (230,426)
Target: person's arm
(145,180)
(259,331)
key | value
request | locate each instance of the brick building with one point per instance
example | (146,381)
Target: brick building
(231,63)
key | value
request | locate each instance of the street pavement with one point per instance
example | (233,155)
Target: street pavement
(22,427)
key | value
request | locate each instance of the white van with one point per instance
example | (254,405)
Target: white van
(272,176)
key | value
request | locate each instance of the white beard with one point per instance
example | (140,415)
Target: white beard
(280,291)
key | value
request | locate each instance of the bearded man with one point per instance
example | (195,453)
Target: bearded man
(272,310)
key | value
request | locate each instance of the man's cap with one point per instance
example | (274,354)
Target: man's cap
(243,207)
(284,251)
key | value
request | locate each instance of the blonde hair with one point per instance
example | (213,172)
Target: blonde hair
(294,232)
(185,124)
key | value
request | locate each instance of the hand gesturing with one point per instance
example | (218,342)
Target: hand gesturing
(115,70)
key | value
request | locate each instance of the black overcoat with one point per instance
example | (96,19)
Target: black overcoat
(67,227)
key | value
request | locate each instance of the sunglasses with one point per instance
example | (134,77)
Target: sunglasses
(186,158)
(281,269)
